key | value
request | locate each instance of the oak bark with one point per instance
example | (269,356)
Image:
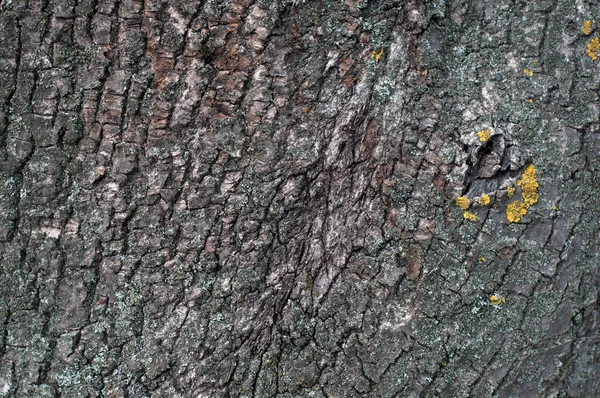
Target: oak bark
(256,198)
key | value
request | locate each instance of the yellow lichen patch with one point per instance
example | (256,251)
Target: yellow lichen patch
(515,210)
(586,28)
(484,200)
(484,135)
(481,259)
(529,185)
(554,208)
(376,55)
(469,216)
(463,202)
(530,197)
(497,299)
(528,175)
(510,191)
(593,48)
(528,72)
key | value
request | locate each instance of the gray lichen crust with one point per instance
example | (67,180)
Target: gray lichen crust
(258,198)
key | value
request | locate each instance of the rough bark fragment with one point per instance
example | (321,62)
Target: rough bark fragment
(257,198)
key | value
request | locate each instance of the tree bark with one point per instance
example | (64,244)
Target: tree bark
(257,198)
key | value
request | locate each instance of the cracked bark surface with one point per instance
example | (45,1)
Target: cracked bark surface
(236,199)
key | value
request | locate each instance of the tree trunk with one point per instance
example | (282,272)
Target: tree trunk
(258,198)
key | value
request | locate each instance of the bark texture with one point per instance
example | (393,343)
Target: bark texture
(256,198)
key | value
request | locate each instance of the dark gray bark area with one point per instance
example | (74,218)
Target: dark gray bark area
(257,199)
